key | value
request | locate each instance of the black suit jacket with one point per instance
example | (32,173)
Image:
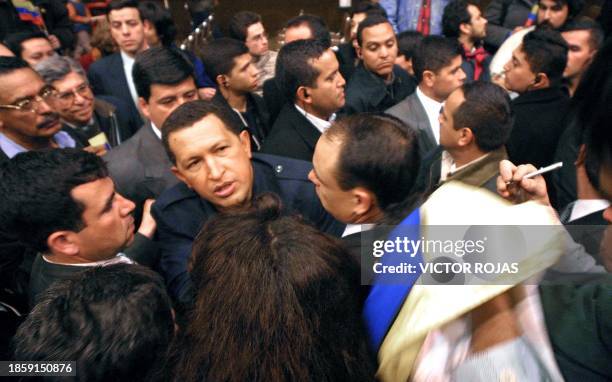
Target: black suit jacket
(588,231)
(261,127)
(292,135)
(107,77)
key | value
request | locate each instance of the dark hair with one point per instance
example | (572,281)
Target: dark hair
(318,27)
(161,20)
(433,54)
(408,42)
(545,52)
(368,22)
(160,65)
(14,41)
(293,67)
(240,23)
(455,14)
(35,198)
(574,6)
(390,171)
(368,7)
(189,113)
(219,56)
(116,5)
(278,295)
(487,112)
(596,36)
(9,64)
(114,321)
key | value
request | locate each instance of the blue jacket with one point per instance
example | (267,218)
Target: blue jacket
(180,214)
(404,14)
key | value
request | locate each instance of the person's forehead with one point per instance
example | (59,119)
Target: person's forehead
(551,3)
(240,61)
(94,195)
(36,43)
(580,37)
(454,100)
(473,10)
(203,134)
(325,157)
(377,33)
(21,83)
(325,63)
(163,90)
(124,14)
(69,80)
(255,29)
(299,32)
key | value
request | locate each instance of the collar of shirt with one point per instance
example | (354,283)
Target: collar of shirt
(449,167)
(319,123)
(356,228)
(120,258)
(584,207)
(90,123)
(432,109)
(128,64)
(156,130)
(10,148)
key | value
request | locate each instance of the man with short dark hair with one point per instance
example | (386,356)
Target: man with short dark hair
(463,20)
(475,124)
(583,38)
(304,27)
(377,83)
(212,157)
(120,314)
(229,63)
(308,73)
(247,27)
(407,45)
(112,75)
(437,68)
(535,72)
(32,47)
(140,167)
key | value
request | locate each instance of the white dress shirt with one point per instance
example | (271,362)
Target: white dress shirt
(156,130)
(128,64)
(319,123)
(584,207)
(432,109)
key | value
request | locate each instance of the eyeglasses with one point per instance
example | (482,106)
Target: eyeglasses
(30,104)
(68,96)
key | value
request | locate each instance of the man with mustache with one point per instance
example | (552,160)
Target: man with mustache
(27,122)
(377,83)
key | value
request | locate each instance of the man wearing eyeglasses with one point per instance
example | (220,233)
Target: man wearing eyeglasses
(27,121)
(84,116)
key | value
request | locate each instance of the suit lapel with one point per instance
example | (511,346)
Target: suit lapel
(304,128)
(118,76)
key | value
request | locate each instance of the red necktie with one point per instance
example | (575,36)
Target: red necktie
(423,25)
(478,56)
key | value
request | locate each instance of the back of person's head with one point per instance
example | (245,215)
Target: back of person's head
(160,65)
(377,152)
(370,21)
(455,14)
(316,24)
(487,112)
(116,322)
(433,54)
(596,36)
(10,64)
(116,5)
(161,19)
(545,52)
(272,282)
(189,113)
(408,43)
(294,65)
(369,7)
(14,41)
(35,193)
(57,67)
(240,23)
(218,55)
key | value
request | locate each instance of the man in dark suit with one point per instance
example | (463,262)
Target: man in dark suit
(535,72)
(140,167)
(112,75)
(437,67)
(308,72)
(212,157)
(377,83)
(229,63)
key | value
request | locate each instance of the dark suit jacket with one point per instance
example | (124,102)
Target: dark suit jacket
(347,58)
(503,17)
(292,135)
(107,77)
(588,231)
(180,214)
(366,92)
(564,179)
(412,112)
(274,98)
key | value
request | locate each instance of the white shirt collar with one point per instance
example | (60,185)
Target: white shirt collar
(319,123)
(156,130)
(356,228)
(584,207)
(120,258)
(432,109)
(449,167)
(128,64)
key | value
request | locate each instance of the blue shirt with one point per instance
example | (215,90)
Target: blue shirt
(11,148)
(404,14)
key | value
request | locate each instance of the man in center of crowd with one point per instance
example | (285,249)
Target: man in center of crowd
(212,157)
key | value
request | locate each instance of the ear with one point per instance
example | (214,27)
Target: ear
(222,80)
(466,137)
(581,156)
(245,142)
(541,81)
(64,243)
(429,78)
(465,28)
(358,50)
(180,176)
(144,108)
(363,201)
(303,95)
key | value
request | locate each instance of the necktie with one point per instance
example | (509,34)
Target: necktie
(423,25)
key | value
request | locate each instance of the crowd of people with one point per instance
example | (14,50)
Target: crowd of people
(210,215)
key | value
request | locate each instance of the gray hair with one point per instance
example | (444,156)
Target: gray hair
(57,67)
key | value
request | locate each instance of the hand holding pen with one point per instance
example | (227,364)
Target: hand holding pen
(523,183)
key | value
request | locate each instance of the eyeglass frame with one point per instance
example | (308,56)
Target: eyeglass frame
(35,100)
(73,93)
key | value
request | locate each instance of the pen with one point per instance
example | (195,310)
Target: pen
(542,170)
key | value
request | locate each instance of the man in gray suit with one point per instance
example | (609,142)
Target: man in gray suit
(437,68)
(140,167)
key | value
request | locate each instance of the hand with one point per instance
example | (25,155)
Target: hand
(207,93)
(55,42)
(520,27)
(512,186)
(148,225)
(99,150)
